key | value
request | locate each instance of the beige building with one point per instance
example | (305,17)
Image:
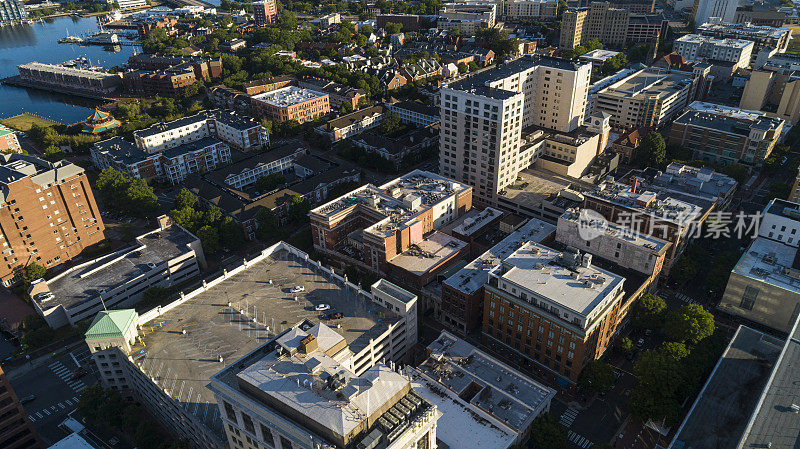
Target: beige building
(794,196)
(530,9)
(773,89)
(764,286)
(468,17)
(611,25)
(483,117)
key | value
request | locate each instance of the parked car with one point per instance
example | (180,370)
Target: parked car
(27,399)
(298,289)
(80,372)
(640,342)
(334,316)
(322,307)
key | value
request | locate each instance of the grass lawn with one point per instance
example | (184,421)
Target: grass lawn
(23,122)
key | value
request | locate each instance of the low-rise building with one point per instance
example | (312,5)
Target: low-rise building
(338,93)
(415,112)
(8,141)
(69,79)
(247,171)
(598,57)
(12,12)
(530,10)
(421,70)
(725,135)
(763,286)
(463,292)
(695,47)
(468,17)
(551,311)
(397,149)
(352,124)
(498,415)
(231,356)
(164,257)
(761,36)
(268,84)
(703,185)
(628,141)
(291,103)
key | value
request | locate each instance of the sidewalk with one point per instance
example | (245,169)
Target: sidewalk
(30,365)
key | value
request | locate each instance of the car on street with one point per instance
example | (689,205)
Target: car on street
(334,316)
(640,342)
(80,372)
(298,289)
(27,399)
(322,307)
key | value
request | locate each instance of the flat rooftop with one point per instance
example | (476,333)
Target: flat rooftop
(598,55)
(428,254)
(765,260)
(486,383)
(657,204)
(183,364)
(534,186)
(729,124)
(471,225)
(784,208)
(610,228)
(743,29)
(775,424)
(725,42)
(84,283)
(476,273)
(288,96)
(541,270)
(722,409)
(649,81)
(68,71)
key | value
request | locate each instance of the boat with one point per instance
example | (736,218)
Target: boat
(70,40)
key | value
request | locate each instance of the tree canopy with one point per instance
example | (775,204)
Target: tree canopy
(649,312)
(127,194)
(689,323)
(597,376)
(652,150)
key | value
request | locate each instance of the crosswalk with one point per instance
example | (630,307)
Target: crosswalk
(579,441)
(53,409)
(64,373)
(685,298)
(568,417)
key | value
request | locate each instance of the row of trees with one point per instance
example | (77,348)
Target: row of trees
(269,223)
(669,374)
(124,193)
(215,230)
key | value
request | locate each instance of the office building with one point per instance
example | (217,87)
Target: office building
(12,12)
(48,214)
(499,416)
(649,97)
(379,229)
(761,36)
(612,26)
(530,10)
(17,430)
(763,286)
(8,141)
(703,185)
(463,292)
(483,117)
(265,12)
(200,337)
(774,87)
(551,311)
(165,257)
(291,103)
(174,150)
(467,16)
(69,79)
(725,135)
(722,10)
(695,47)
(665,215)
(410,22)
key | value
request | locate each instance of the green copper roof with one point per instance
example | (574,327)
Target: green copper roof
(4,131)
(111,324)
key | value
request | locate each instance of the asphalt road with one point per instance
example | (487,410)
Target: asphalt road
(56,394)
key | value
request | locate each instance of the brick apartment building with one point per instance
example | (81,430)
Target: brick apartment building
(265,12)
(8,141)
(167,75)
(291,103)
(16,430)
(48,214)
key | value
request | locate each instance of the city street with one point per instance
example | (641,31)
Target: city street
(56,392)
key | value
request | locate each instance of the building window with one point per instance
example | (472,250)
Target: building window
(285,444)
(248,423)
(266,435)
(749,298)
(230,413)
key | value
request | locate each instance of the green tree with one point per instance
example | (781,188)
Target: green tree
(33,272)
(463,67)
(267,183)
(689,323)
(684,270)
(652,150)
(547,433)
(624,345)
(649,312)
(186,217)
(390,124)
(738,172)
(346,108)
(597,376)
(268,224)
(454,31)
(661,387)
(231,234)
(299,208)
(614,64)
(185,199)
(209,238)
(472,66)
(393,28)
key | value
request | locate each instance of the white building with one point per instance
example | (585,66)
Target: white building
(724,10)
(248,171)
(467,16)
(483,116)
(131,4)
(695,47)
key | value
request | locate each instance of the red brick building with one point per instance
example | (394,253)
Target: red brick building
(265,12)
(16,431)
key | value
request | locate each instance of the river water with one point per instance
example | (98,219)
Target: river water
(39,42)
